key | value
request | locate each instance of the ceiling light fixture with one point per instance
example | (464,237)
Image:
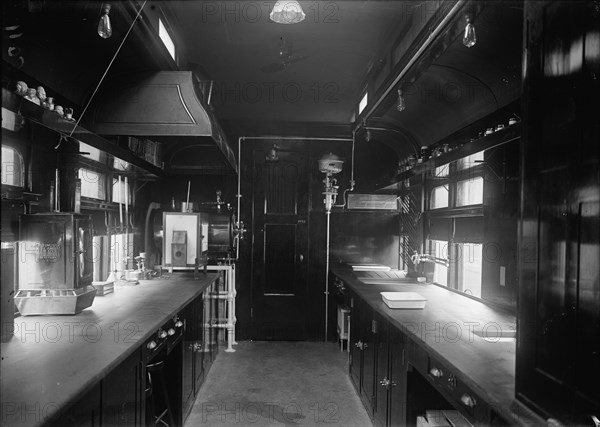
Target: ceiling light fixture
(401,104)
(104,25)
(287,12)
(469,38)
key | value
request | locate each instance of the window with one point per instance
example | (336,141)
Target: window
(469,161)
(469,191)
(121,191)
(439,253)
(442,171)
(439,197)
(166,38)
(94,153)
(93,184)
(469,267)
(363,102)
(13,168)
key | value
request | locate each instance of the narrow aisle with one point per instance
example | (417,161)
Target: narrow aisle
(279,383)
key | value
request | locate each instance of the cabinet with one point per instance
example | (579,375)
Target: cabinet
(122,393)
(199,346)
(558,351)
(84,413)
(377,364)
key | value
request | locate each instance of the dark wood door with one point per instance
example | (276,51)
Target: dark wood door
(397,389)
(382,377)
(279,245)
(558,350)
(355,343)
(368,326)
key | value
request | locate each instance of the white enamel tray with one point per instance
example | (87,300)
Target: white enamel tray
(403,299)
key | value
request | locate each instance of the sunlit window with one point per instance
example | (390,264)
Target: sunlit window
(166,38)
(442,171)
(363,102)
(93,184)
(439,197)
(439,251)
(469,161)
(469,267)
(469,191)
(94,153)
(121,192)
(13,169)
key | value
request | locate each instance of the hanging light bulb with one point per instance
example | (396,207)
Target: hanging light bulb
(469,38)
(104,26)
(287,12)
(401,104)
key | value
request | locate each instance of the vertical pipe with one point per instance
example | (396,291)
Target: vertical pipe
(57,190)
(328,213)
(239,197)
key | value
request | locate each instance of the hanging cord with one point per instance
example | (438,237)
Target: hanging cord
(106,71)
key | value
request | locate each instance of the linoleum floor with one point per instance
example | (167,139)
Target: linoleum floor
(279,384)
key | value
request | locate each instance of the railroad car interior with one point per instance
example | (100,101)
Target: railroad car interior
(346,212)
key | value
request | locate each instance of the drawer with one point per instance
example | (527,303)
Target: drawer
(457,392)
(418,357)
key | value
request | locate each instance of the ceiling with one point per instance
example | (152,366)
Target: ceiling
(234,45)
(232,41)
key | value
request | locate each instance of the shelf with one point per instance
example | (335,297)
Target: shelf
(508,134)
(53,121)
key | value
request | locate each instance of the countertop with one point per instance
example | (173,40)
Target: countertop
(447,328)
(53,360)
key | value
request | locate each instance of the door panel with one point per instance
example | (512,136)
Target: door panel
(279,244)
(279,259)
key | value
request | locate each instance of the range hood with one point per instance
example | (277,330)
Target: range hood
(168,107)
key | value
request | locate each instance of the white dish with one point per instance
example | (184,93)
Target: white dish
(370,267)
(403,299)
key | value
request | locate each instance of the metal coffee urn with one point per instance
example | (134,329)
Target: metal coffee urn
(55,263)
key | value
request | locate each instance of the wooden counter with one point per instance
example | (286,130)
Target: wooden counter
(53,360)
(448,329)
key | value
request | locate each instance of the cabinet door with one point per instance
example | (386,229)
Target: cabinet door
(189,336)
(397,375)
(382,376)
(122,403)
(202,339)
(368,327)
(84,413)
(355,343)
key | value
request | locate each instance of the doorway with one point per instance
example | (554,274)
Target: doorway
(280,204)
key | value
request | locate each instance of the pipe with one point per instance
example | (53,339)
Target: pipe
(459,4)
(414,144)
(239,195)
(328,213)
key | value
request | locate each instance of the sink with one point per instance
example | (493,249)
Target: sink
(497,333)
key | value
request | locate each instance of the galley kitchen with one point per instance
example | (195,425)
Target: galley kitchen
(264,213)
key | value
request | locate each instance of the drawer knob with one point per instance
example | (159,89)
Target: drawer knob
(178,324)
(162,334)
(171,332)
(436,372)
(385,382)
(468,400)
(151,345)
(359,345)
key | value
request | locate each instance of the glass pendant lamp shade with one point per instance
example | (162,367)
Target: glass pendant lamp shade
(469,38)
(104,25)
(287,12)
